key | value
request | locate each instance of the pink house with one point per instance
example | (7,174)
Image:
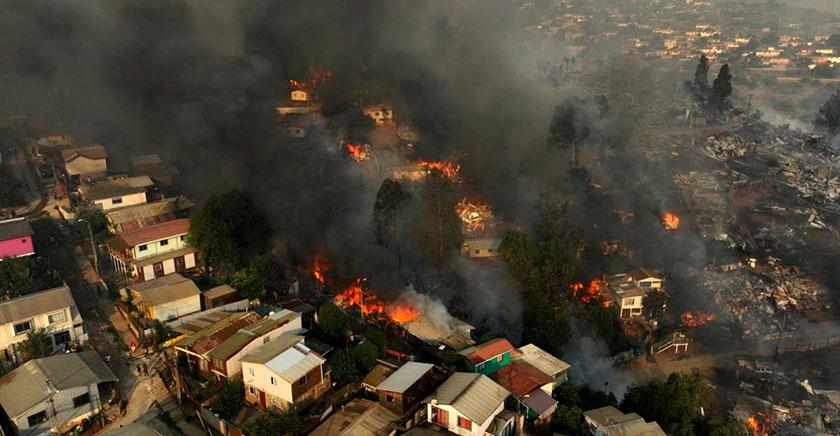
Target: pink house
(15,238)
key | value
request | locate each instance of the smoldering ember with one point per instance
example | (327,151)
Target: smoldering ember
(420,217)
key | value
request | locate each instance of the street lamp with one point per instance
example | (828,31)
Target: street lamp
(92,246)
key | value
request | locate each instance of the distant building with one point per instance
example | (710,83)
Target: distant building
(481,248)
(85,163)
(284,372)
(52,394)
(116,193)
(470,404)
(167,298)
(154,251)
(488,357)
(16,238)
(54,310)
(609,421)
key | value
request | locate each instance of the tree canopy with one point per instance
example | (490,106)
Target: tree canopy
(828,117)
(24,275)
(230,398)
(332,321)
(229,230)
(722,89)
(674,402)
(390,213)
(9,189)
(262,277)
(290,422)
(37,344)
(438,226)
(701,74)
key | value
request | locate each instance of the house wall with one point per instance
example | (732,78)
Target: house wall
(234,365)
(65,414)
(174,309)
(160,246)
(148,271)
(481,248)
(261,381)
(82,165)
(16,247)
(490,367)
(8,338)
(476,430)
(122,201)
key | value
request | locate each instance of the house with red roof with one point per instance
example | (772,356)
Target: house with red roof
(531,387)
(488,357)
(153,251)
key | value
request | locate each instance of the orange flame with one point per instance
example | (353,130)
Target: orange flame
(448,169)
(474,216)
(357,151)
(402,313)
(591,293)
(356,295)
(319,267)
(670,221)
(315,78)
(696,319)
(759,424)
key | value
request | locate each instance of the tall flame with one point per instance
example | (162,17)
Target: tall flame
(759,424)
(319,268)
(591,293)
(355,294)
(670,221)
(402,313)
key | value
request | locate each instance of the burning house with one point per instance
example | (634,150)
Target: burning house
(380,114)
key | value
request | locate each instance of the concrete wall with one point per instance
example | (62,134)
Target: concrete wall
(261,381)
(477,429)
(160,246)
(122,201)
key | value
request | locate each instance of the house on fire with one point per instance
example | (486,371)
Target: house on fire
(154,251)
(116,193)
(16,238)
(609,421)
(628,290)
(406,387)
(220,348)
(380,114)
(85,163)
(470,404)
(54,310)
(52,394)
(284,372)
(488,357)
(167,298)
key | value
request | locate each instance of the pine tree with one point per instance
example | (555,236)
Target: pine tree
(722,89)
(701,74)
(828,117)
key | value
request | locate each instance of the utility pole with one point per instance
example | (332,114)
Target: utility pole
(92,247)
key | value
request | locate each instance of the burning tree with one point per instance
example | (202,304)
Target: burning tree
(591,293)
(314,79)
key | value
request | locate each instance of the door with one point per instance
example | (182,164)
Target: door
(262,399)
(441,417)
(179,264)
(158,270)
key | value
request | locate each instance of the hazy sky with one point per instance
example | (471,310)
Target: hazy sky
(832,6)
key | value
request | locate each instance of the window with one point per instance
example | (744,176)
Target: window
(389,398)
(251,389)
(645,284)
(23,327)
(489,250)
(117,200)
(499,358)
(37,418)
(81,400)
(273,381)
(219,365)
(464,423)
(23,241)
(202,364)
(56,317)
(158,266)
(143,247)
(302,381)
(182,237)
(630,301)
(477,251)
(164,243)
(251,373)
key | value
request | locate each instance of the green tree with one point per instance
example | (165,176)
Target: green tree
(25,275)
(674,402)
(389,215)
(366,354)
(333,321)
(828,117)
(345,369)
(607,324)
(287,423)
(263,276)
(230,398)
(655,302)
(438,226)
(229,230)
(10,187)
(37,344)
(722,89)
(96,219)
(568,420)
(701,75)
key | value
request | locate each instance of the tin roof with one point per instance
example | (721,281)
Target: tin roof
(146,214)
(473,395)
(27,306)
(616,423)
(488,350)
(115,187)
(245,336)
(37,380)
(287,357)
(15,228)
(96,151)
(207,339)
(405,377)
(151,233)
(542,360)
(169,288)
(358,418)
(539,401)
(520,378)
(377,375)
(219,291)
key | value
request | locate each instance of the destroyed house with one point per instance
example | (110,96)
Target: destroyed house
(152,252)
(531,388)
(380,114)
(165,299)
(130,218)
(85,162)
(193,349)
(488,357)
(116,193)
(16,238)
(406,387)
(284,372)
(470,404)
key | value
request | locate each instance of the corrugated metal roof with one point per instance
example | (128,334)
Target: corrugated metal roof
(616,423)
(151,233)
(29,384)
(141,212)
(358,418)
(219,291)
(377,375)
(96,151)
(115,188)
(171,287)
(27,306)
(405,377)
(539,401)
(542,360)
(287,357)
(473,395)
(521,378)
(246,335)
(488,350)
(15,228)
(208,324)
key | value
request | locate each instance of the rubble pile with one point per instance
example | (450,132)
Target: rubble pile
(789,287)
(475,217)
(705,197)
(726,147)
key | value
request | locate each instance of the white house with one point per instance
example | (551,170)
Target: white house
(166,298)
(469,404)
(85,162)
(283,372)
(53,394)
(117,193)
(53,310)
(628,290)
(154,251)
